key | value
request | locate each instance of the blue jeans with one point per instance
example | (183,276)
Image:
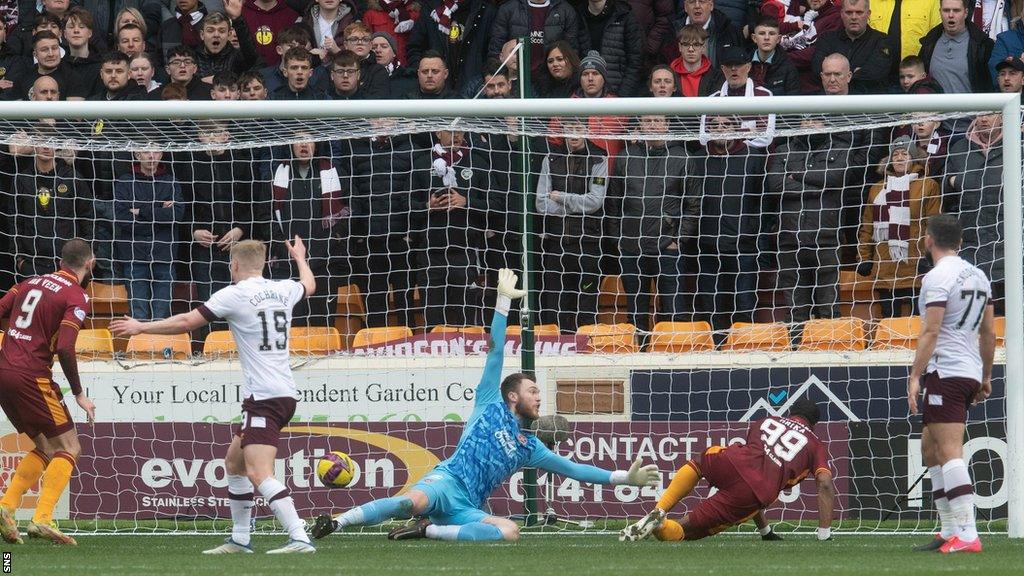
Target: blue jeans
(149,289)
(637,273)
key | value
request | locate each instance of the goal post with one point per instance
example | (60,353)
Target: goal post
(260,123)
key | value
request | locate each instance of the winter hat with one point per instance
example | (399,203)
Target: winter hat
(902,143)
(594,61)
(391,40)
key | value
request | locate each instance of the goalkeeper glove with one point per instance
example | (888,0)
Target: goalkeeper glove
(507,291)
(637,475)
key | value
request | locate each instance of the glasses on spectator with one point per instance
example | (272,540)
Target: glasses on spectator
(693,45)
(358,39)
(345,71)
(181,62)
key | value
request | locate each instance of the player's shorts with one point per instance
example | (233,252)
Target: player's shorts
(947,400)
(448,504)
(262,420)
(734,503)
(33,405)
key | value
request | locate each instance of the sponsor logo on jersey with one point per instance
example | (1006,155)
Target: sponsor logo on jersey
(80,314)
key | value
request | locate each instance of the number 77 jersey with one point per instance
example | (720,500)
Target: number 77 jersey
(778,454)
(259,314)
(964,292)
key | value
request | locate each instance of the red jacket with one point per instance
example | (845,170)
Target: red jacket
(689,82)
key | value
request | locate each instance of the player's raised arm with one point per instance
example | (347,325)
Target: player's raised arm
(298,253)
(637,475)
(826,503)
(488,390)
(177,324)
(930,325)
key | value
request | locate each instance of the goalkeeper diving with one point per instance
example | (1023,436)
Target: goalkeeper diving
(493,446)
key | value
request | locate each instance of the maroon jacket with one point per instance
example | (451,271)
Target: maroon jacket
(828,19)
(265,25)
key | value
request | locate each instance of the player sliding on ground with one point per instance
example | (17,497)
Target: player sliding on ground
(778,454)
(493,446)
(44,315)
(259,314)
(957,368)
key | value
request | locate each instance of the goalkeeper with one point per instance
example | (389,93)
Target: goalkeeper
(494,445)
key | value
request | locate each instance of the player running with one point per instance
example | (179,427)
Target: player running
(778,454)
(493,446)
(259,314)
(44,315)
(957,368)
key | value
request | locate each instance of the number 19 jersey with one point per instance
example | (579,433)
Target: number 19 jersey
(259,314)
(964,292)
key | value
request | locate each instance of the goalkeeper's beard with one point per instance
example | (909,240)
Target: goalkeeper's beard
(527,410)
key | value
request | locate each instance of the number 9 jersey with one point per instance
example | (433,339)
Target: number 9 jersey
(779,453)
(964,292)
(259,314)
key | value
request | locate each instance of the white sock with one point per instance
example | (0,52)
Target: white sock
(353,517)
(765,531)
(240,498)
(283,506)
(941,502)
(435,532)
(961,502)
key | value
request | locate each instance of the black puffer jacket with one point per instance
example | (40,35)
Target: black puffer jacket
(727,187)
(513,21)
(622,46)
(645,196)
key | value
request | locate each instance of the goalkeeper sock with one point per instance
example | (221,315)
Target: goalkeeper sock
(240,498)
(474,531)
(376,512)
(960,494)
(283,506)
(941,502)
(683,483)
(28,472)
(670,531)
(55,480)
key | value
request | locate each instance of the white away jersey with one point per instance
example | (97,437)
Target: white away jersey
(964,291)
(259,313)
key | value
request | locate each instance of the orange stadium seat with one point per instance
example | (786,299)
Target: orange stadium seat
(538,330)
(1000,326)
(108,299)
(833,334)
(768,337)
(158,346)
(614,338)
(314,340)
(457,329)
(373,336)
(94,344)
(219,343)
(681,337)
(897,333)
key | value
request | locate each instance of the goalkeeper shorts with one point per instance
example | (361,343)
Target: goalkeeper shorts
(448,504)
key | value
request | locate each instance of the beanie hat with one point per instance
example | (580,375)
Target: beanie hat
(594,61)
(391,40)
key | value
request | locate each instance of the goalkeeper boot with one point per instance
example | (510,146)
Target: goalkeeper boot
(932,546)
(324,525)
(294,547)
(49,532)
(9,526)
(643,528)
(229,547)
(412,531)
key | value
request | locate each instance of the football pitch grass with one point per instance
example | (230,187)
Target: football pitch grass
(533,555)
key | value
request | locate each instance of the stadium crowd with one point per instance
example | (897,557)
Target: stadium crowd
(714,225)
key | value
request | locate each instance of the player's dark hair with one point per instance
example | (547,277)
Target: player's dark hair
(75,253)
(806,409)
(511,384)
(945,231)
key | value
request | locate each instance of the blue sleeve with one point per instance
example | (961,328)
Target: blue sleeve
(547,460)
(488,390)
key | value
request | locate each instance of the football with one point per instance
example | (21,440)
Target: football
(335,469)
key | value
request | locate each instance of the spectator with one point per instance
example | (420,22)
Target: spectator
(1010,42)
(147,207)
(727,180)
(225,87)
(12,65)
(801,46)
(396,18)
(292,37)
(654,18)
(20,40)
(109,15)
(735,10)
(217,55)
(131,15)
(645,196)
(183,28)
(662,82)
(722,32)
(993,17)
(459,31)
(83,62)
(401,79)
(905,30)
(736,70)
(788,16)
(570,198)
(326,21)
(1010,75)
(615,33)
(298,67)
(265,19)
(914,79)
(543,22)
(448,215)
(870,53)
(930,147)
(957,52)
(432,79)
(116,80)
(374,80)
(46,52)
(131,40)
(771,66)
(251,86)
(143,71)
(974,181)
(697,77)
(593,75)
(345,76)
(892,232)
(558,79)
(836,75)
(181,68)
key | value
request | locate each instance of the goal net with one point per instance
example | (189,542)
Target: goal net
(692,266)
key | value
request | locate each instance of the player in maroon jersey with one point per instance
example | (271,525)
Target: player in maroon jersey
(44,315)
(778,454)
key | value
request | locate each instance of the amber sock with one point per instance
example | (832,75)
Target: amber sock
(683,483)
(670,531)
(55,480)
(25,476)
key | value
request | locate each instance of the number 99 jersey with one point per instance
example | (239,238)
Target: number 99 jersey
(779,453)
(964,292)
(259,314)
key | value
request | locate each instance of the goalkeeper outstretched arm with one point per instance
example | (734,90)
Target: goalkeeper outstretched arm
(637,475)
(489,389)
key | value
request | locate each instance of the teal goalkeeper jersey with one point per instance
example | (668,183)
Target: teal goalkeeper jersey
(493,446)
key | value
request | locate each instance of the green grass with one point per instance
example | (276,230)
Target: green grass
(533,555)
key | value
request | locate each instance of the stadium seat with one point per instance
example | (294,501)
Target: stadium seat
(681,337)
(219,343)
(614,338)
(1000,326)
(457,329)
(108,299)
(834,334)
(538,330)
(314,340)
(158,346)
(94,344)
(373,336)
(351,313)
(897,333)
(768,337)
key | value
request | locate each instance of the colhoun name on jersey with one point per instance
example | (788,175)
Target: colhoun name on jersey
(265,295)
